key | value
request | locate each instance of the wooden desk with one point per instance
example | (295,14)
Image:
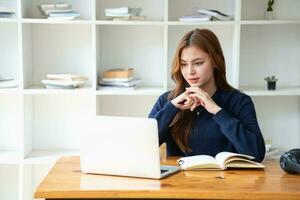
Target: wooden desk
(66,181)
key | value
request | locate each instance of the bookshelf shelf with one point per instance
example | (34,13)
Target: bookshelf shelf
(266,22)
(47,119)
(262,91)
(49,21)
(8,20)
(150,23)
(178,23)
(143,90)
(40,89)
(48,156)
(10,157)
(9,91)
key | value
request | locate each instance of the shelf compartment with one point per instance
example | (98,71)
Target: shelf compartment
(225,35)
(9,59)
(10,133)
(53,122)
(178,8)
(278,118)
(31,8)
(55,48)
(269,50)
(130,106)
(9,186)
(152,9)
(263,91)
(139,47)
(283,9)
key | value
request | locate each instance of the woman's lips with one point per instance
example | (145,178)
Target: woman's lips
(193,80)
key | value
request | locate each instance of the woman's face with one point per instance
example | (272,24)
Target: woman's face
(196,67)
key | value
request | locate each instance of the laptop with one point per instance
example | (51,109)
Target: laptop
(122,146)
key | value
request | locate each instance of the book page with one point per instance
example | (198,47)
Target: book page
(198,162)
(222,157)
(242,163)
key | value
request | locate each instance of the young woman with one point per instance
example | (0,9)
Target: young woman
(203,114)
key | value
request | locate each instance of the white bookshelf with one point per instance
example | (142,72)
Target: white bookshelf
(9,188)
(39,125)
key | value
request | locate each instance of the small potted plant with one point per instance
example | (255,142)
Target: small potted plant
(271,82)
(269,15)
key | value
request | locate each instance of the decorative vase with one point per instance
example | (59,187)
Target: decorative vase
(269,15)
(271,85)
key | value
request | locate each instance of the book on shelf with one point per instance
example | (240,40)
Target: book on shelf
(114,80)
(215,14)
(221,161)
(66,77)
(118,73)
(195,18)
(50,11)
(55,6)
(62,18)
(8,83)
(122,10)
(6,12)
(53,86)
(133,82)
(115,88)
(68,14)
(76,83)
(60,11)
(129,18)
(123,13)
(64,81)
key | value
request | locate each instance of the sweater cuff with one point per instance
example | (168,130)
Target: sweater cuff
(221,116)
(171,109)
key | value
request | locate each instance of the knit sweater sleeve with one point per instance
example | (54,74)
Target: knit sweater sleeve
(164,112)
(243,130)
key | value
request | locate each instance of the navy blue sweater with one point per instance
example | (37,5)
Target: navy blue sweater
(234,128)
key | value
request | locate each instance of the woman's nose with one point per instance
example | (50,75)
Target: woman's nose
(190,69)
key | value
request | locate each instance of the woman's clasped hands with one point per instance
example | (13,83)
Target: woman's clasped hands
(192,97)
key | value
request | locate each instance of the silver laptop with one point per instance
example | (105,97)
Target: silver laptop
(123,146)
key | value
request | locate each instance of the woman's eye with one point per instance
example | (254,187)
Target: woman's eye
(183,65)
(199,63)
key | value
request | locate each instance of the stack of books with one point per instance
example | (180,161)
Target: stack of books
(123,13)
(61,11)
(119,79)
(6,12)
(8,82)
(206,15)
(195,18)
(64,81)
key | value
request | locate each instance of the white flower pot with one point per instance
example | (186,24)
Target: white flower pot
(269,15)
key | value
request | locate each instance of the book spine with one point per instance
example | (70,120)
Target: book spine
(118,74)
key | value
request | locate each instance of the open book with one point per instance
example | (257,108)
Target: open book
(222,161)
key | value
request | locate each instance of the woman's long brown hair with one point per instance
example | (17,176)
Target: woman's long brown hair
(208,42)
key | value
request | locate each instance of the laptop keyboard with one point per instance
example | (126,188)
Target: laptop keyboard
(163,171)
